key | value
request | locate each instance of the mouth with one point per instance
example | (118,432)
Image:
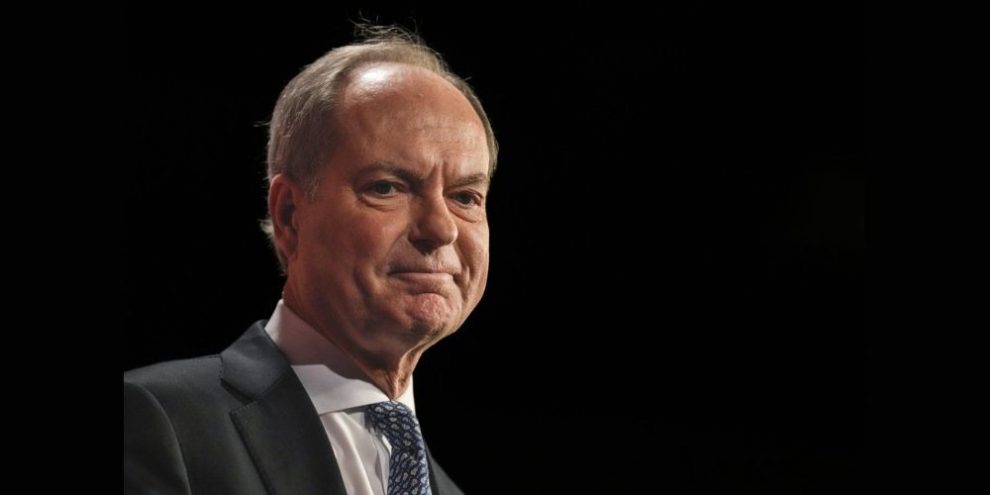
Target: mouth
(421,275)
(424,281)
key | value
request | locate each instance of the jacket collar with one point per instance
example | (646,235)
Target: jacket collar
(278,424)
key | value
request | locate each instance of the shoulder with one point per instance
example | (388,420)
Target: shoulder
(176,385)
(169,408)
(181,374)
(210,384)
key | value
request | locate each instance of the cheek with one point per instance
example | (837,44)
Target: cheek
(338,251)
(478,262)
(482,281)
(475,251)
(372,240)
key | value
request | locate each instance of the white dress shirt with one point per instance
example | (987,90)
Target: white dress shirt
(339,391)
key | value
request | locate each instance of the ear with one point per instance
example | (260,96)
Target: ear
(284,197)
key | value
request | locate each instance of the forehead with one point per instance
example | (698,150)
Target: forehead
(405,114)
(401,84)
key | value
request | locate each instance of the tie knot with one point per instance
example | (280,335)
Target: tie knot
(390,409)
(397,423)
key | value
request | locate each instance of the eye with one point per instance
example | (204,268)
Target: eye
(384,188)
(467,198)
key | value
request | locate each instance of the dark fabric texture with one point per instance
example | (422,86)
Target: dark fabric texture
(238,423)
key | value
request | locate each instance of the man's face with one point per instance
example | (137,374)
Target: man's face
(393,252)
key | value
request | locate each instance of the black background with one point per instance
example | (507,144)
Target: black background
(678,292)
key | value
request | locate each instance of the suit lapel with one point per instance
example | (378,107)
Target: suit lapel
(439,480)
(279,425)
(433,476)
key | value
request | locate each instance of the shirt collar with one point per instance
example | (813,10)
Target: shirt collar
(330,378)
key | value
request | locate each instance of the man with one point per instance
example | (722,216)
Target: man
(379,164)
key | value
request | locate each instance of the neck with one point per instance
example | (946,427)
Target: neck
(389,371)
(393,380)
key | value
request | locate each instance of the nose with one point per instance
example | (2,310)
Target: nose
(433,225)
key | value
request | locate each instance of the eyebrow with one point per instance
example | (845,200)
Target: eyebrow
(411,177)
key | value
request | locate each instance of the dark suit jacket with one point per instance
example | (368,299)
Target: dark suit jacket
(238,423)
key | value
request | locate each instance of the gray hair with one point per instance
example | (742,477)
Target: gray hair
(301,133)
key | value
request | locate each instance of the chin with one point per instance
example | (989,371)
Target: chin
(427,331)
(431,311)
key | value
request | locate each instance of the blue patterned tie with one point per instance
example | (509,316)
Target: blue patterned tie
(408,473)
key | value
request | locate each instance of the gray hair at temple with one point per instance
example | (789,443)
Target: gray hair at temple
(301,133)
